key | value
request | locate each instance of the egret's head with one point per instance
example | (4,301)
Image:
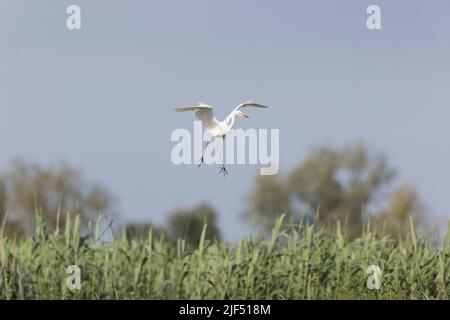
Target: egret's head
(241,114)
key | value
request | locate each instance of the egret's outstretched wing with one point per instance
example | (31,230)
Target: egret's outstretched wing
(203,112)
(249,104)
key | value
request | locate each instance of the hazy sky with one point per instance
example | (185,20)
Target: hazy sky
(102,98)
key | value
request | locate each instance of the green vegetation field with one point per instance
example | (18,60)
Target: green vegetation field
(298,262)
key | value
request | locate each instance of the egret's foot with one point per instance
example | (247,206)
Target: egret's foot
(201,162)
(223,170)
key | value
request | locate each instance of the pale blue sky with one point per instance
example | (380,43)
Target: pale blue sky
(102,98)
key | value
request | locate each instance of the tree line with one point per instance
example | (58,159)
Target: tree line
(350,185)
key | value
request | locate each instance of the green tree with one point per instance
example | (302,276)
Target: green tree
(339,184)
(268,200)
(8,226)
(2,198)
(404,204)
(30,188)
(140,231)
(188,224)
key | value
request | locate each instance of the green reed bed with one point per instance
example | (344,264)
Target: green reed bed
(296,262)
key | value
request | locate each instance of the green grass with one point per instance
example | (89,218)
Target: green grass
(300,262)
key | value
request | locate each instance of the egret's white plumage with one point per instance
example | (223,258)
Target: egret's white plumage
(203,112)
(218,128)
(215,127)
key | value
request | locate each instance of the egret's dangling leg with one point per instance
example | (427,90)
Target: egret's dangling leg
(222,167)
(204,150)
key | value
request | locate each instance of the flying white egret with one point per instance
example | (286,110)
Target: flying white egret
(216,128)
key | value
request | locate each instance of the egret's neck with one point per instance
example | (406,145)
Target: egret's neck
(230,120)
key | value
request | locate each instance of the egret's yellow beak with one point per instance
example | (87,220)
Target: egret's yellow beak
(244,115)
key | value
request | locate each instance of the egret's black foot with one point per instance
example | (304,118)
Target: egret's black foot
(201,162)
(223,170)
